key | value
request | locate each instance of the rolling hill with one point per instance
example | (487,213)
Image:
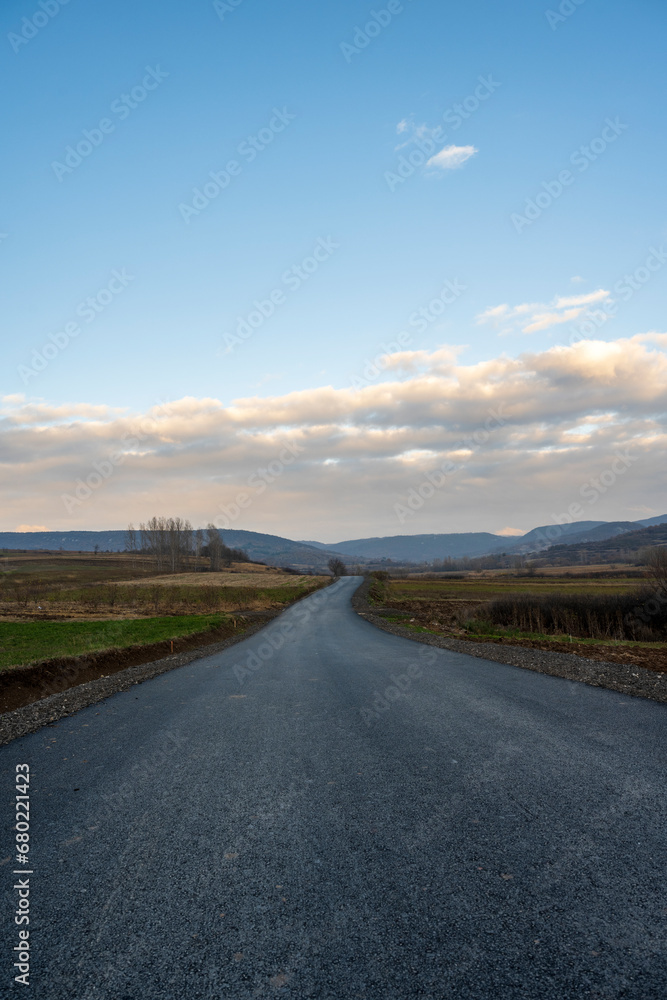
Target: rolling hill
(421,548)
(621,547)
(275,550)
(271,549)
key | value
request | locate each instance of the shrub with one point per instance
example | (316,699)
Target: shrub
(639,616)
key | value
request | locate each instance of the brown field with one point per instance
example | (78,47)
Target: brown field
(456,608)
(238,575)
(71,586)
(478,587)
(75,604)
(596,570)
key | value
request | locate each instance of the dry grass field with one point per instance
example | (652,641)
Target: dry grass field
(589,611)
(80,586)
(59,604)
(238,575)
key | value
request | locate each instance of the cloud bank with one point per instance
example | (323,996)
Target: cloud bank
(520,439)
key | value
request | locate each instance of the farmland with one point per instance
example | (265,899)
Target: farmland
(54,605)
(25,642)
(590,615)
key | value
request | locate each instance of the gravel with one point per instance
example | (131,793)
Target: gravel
(626,678)
(49,710)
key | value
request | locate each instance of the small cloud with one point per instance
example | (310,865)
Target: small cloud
(577,279)
(532,317)
(402,126)
(495,312)
(543,321)
(656,338)
(452,157)
(511,532)
(582,300)
(31,527)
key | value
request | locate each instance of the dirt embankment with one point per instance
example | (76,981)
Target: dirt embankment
(21,686)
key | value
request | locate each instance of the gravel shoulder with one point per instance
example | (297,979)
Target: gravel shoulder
(31,717)
(627,678)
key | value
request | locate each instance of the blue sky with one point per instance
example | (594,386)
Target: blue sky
(221,76)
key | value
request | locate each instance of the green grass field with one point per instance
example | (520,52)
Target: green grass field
(29,642)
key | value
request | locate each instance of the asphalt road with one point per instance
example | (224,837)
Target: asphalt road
(348,814)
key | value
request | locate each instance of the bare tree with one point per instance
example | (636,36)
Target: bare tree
(655,560)
(172,542)
(185,547)
(337,567)
(131,543)
(153,539)
(169,541)
(215,547)
(173,528)
(198,545)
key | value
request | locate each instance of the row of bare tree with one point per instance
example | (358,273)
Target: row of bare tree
(175,545)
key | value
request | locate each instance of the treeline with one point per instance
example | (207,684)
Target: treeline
(529,563)
(176,546)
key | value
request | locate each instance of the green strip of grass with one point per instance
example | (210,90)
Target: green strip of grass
(31,642)
(486,630)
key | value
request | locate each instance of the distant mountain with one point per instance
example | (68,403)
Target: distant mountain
(616,549)
(271,549)
(278,551)
(422,548)
(603,531)
(648,521)
(549,534)
(69,541)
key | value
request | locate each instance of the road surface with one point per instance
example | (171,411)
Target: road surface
(326,810)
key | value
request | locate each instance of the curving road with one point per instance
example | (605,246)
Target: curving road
(329,811)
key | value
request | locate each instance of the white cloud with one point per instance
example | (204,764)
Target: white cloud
(452,157)
(427,140)
(582,300)
(566,412)
(533,317)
